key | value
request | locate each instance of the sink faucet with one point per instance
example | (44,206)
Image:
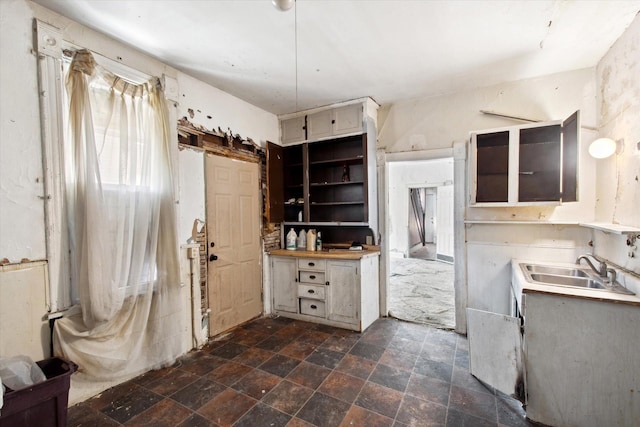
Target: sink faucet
(602,270)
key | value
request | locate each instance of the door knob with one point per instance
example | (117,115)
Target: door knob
(213,257)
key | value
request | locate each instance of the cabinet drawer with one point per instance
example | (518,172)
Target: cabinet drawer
(312,307)
(311,291)
(312,264)
(312,277)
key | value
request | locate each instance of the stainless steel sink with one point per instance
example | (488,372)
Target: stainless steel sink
(560,271)
(577,277)
(581,282)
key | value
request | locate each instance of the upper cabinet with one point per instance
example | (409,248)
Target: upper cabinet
(324,123)
(293,130)
(330,178)
(525,165)
(335,122)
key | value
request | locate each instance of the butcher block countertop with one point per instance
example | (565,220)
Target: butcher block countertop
(329,253)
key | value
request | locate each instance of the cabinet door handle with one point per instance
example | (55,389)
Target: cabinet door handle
(327,283)
(333,122)
(296,279)
(311,291)
(312,277)
(312,264)
(313,306)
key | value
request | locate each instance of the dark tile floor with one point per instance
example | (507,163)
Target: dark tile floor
(280,372)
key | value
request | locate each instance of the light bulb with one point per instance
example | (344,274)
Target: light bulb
(602,148)
(283,5)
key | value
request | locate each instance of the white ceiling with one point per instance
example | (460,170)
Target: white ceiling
(388,50)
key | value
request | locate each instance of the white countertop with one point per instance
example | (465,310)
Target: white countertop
(520,285)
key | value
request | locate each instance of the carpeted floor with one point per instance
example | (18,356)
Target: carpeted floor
(422,292)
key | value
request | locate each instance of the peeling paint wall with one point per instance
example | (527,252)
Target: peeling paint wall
(213,108)
(618,177)
(21,187)
(22,226)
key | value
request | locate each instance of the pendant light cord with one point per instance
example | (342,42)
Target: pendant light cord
(295,31)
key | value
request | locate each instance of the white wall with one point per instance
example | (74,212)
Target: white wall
(436,123)
(21,210)
(402,176)
(618,103)
(21,178)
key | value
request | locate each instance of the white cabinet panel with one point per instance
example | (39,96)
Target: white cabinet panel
(343,291)
(320,124)
(495,351)
(293,130)
(347,119)
(336,292)
(284,284)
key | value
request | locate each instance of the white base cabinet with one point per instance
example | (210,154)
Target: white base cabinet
(336,292)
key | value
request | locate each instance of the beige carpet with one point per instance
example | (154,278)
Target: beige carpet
(422,292)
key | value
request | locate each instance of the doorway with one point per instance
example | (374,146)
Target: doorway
(233,233)
(420,224)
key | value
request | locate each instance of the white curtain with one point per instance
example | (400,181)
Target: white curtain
(122,223)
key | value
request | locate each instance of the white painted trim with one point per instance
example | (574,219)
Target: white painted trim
(439,153)
(370,107)
(459,235)
(49,46)
(459,153)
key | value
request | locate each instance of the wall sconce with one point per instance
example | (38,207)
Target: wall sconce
(604,147)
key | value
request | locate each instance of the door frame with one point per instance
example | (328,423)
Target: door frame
(459,154)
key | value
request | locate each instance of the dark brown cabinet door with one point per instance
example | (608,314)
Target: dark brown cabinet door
(275,183)
(570,129)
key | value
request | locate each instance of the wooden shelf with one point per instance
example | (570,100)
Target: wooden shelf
(611,228)
(507,222)
(348,160)
(336,203)
(328,184)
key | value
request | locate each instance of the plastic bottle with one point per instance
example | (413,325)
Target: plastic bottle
(291,240)
(318,242)
(302,240)
(311,240)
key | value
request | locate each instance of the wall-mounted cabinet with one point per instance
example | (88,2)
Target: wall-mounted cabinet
(325,123)
(338,180)
(293,130)
(321,182)
(330,178)
(335,122)
(525,165)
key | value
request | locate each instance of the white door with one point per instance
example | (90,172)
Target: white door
(233,233)
(430,215)
(495,351)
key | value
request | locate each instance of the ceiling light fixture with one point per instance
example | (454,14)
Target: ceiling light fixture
(602,148)
(283,5)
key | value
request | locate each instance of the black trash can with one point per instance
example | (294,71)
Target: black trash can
(42,404)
